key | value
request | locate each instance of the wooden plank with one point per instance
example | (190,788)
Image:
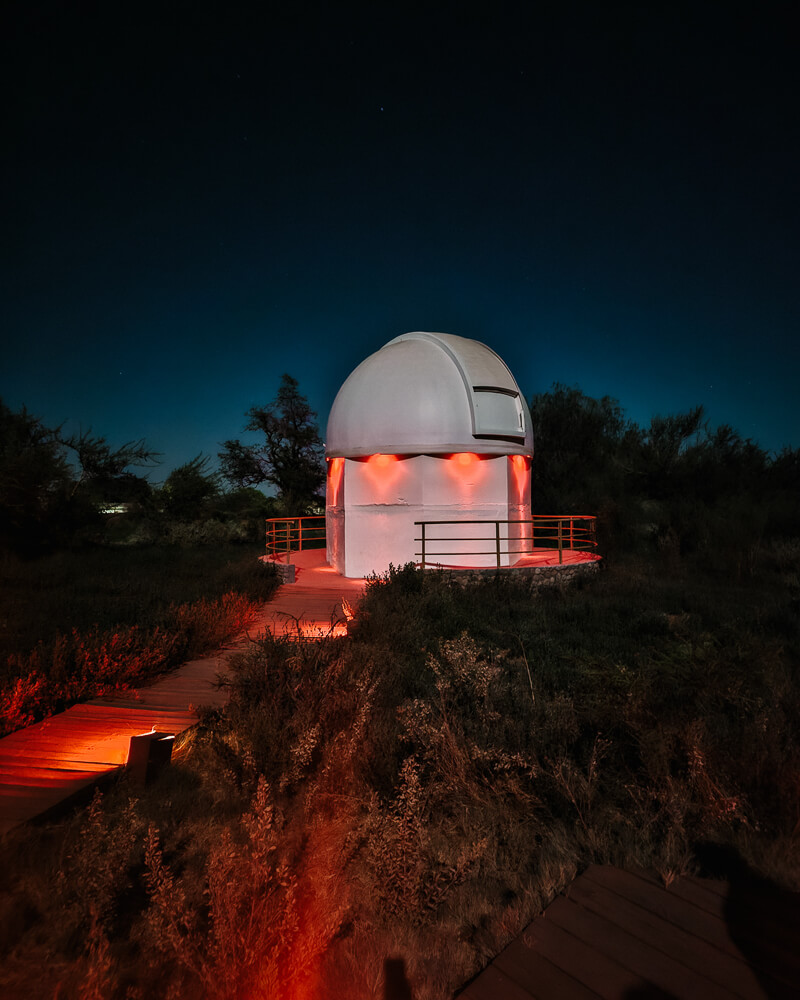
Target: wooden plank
(769,944)
(76,725)
(748,918)
(578,959)
(492,984)
(766,901)
(96,753)
(538,975)
(67,762)
(93,746)
(693,892)
(54,768)
(717,885)
(631,952)
(622,934)
(40,775)
(56,752)
(19,809)
(17,789)
(656,899)
(763,922)
(727,970)
(130,711)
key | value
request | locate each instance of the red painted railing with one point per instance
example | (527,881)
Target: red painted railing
(293,534)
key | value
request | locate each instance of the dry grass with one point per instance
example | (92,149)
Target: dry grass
(76,666)
(83,624)
(366,806)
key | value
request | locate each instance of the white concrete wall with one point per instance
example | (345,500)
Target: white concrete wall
(519,505)
(373,505)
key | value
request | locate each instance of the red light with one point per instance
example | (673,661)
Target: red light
(465,458)
(382,461)
(520,468)
(335,472)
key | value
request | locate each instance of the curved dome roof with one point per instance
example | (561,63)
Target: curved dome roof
(429,393)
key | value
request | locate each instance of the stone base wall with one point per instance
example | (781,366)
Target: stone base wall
(536,576)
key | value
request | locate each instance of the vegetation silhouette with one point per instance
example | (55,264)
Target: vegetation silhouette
(291,457)
(676,487)
(425,786)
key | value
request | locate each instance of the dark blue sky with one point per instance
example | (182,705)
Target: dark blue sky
(201,198)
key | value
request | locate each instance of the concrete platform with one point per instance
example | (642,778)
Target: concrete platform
(539,557)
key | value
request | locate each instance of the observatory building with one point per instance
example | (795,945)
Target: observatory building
(432,427)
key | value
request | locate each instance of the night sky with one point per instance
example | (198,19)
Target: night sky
(202,197)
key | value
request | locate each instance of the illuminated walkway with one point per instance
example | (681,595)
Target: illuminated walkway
(314,600)
(63,756)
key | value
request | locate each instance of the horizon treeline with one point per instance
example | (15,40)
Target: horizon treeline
(677,486)
(58,490)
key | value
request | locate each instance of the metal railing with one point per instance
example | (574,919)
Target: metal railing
(293,534)
(557,532)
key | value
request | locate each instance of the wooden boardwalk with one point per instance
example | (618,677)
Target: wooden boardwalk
(622,935)
(312,606)
(51,762)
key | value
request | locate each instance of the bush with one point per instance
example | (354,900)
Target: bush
(425,786)
(105,651)
(76,666)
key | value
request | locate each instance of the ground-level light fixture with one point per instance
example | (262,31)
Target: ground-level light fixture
(148,754)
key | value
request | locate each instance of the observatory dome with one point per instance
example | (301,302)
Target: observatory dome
(430,393)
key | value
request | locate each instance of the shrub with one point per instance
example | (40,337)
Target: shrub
(76,666)
(257,934)
(425,786)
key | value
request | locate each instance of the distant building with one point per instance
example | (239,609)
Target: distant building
(115,508)
(432,427)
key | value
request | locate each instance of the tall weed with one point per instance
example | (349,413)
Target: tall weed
(425,786)
(76,666)
(259,932)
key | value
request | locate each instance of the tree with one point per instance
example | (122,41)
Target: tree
(580,449)
(103,472)
(665,452)
(189,488)
(291,458)
(35,480)
(44,501)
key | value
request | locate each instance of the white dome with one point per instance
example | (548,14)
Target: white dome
(430,393)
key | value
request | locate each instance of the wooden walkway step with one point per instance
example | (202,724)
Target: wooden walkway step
(47,764)
(622,935)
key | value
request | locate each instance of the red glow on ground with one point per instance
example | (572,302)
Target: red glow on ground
(305,630)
